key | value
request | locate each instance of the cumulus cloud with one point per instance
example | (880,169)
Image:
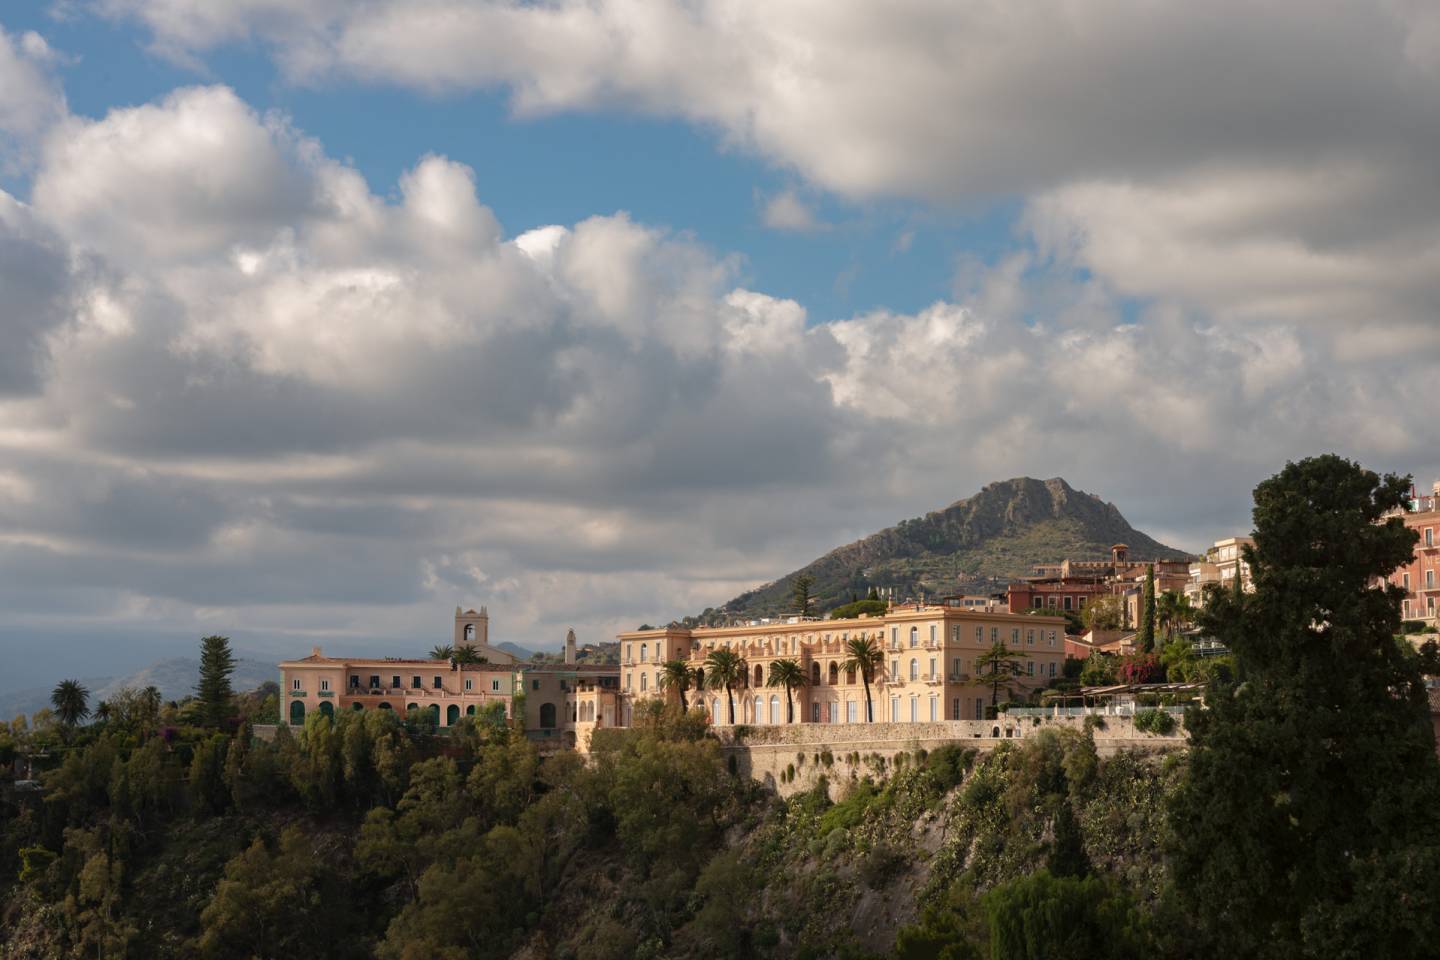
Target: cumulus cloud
(786,211)
(365,405)
(30,97)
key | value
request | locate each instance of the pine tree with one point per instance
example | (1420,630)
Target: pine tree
(1147,615)
(801,594)
(213,691)
(1306,824)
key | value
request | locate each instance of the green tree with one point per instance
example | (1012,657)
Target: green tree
(466,653)
(1306,826)
(213,691)
(71,701)
(442,652)
(1173,611)
(789,674)
(801,595)
(865,655)
(1042,917)
(856,607)
(997,666)
(1147,612)
(725,670)
(677,675)
(1105,613)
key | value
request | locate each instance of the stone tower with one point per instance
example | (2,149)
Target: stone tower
(472,628)
(570,646)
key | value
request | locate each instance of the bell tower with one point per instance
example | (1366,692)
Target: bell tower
(472,628)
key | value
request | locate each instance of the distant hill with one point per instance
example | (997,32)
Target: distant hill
(997,534)
(519,652)
(174,677)
(606,651)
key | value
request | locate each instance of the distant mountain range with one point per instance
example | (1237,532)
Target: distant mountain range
(174,677)
(982,541)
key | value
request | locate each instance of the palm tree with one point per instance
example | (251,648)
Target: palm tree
(1172,610)
(465,653)
(867,656)
(724,669)
(70,699)
(442,653)
(1003,664)
(788,674)
(677,674)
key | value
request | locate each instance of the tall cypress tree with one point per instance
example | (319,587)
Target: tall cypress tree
(1306,826)
(1147,614)
(213,691)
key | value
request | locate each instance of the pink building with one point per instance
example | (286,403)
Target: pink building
(1420,578)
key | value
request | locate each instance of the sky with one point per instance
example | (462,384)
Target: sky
(318,318)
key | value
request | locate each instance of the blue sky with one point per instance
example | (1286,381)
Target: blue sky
(817,267)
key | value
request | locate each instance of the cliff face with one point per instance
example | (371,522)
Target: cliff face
(999,532)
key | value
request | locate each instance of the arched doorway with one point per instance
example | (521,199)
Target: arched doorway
(470,710)
(452,715)
(357,706)
(434,711)
(326,709)
(384,705)
(547,716)
(297,712)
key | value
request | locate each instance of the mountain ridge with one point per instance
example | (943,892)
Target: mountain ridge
(997,534)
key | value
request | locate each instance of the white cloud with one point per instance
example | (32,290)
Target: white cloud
(30,98)
(786,211)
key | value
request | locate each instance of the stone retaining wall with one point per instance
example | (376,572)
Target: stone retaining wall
(792,758)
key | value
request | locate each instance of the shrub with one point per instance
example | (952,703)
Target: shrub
(1154,721)
(884,863)
(1094,722)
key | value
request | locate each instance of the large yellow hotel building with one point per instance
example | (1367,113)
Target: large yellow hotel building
(929,672)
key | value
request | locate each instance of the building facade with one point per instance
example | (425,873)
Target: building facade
(929,671)
(1218,569)
(1420,578)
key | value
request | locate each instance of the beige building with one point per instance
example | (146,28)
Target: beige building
(929,672)
(1420,578)
(1221,564)
(562,702)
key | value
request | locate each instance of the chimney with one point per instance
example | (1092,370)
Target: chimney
(570,646)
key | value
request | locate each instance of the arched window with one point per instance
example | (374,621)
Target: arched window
(452,715)
(411,706)
(759,675)
(644,679)
(914,636)
(914,669)
(469,633)
(384,705)
(699,678)
(357,706)
(547,716)
(297,712)
(834,673)
(815,673)
(774,709)
(715,716)
(759,709)
(470,710)
(644,651)
(850,675)
(326,709)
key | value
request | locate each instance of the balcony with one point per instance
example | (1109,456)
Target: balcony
(933,679)
(959,677)
(326,693)
(297,693)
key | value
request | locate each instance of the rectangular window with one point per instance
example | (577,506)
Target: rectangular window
(324,684)
(934,708)
(395,682)
(1039,602)
(1052,668)
(1030,668)
(643,648)
(1429,579)
(1068,602)
(894,669)
(955,709)
(1429,536)
(1405,581)
(355,680)
(979,634)
(979,708)
(469,684)
(814,713)
(932,668)
(1029,638)
(850,712)
(494,686)
(1082,603)
(894,709)
(1015,636)
(534,684)
(627,653)
(894,636)
(955,634)
(627,679)
(375,681)
(959,669)
(914,710)
(1052,638)
(436,684)
(932,633)
(414,683)
(994,634)
(294,684)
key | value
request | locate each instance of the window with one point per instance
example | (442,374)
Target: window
(955,709)
(1015,636)
(627,680)
(894,669)
(979,708)
(1052,638)
(815,673)
(644,679)
(850,675)
(1429,536)
(375,682)
(414,683)
(395,683)
(1039,602)
(1050,602)
(1029,638)
(914,669)
(932,633)
(1082,603)
(1405,578)
(627,653)
(469,684)
(814,713)
(354,680)
(643,648)
(959,669)
(914,636)
(1030,668)
(894,709)
(834,673)
(1068,602)
(955,634)
(657,651)
(850,712)
(436,684)
(894,636)
(979,634)
(914,710)
(934,709)
(1429,579)
(494,686)
(994,634)
(294,684)
(535,684)
(1052,668)
(932,668)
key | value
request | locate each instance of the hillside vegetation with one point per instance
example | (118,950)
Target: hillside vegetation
(1000,532)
